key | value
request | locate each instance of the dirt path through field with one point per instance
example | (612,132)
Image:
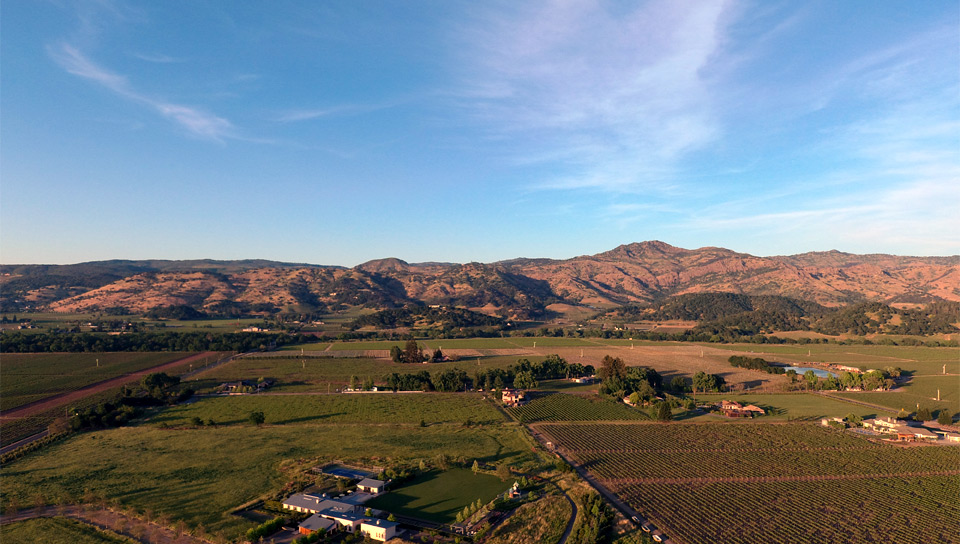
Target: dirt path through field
(118,522)
(55,401)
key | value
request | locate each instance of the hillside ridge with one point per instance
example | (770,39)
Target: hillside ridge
(636,273)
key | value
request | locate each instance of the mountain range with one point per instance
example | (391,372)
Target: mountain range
(636,273)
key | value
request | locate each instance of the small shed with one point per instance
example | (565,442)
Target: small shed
(372,486)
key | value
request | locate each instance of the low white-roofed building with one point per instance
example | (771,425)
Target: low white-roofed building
(372,486)
(379,529)
(305,502)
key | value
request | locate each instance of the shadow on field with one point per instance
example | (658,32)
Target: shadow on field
(305,419)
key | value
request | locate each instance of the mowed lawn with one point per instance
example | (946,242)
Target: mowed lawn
(29,377)
(343,408)
(200,475)
(440,495)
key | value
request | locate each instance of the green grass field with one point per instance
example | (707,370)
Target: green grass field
(791,406)
(345,408)
(200,475)
(439,496)
(317,373)
(315,346)
(58,530)
(922,360)
(920,390)
(34,376)
(548,342)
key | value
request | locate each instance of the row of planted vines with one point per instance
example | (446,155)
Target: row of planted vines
(563,407)
(744,483)
(921,509)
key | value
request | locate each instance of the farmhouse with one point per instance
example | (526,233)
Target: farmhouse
(886,424)
(584,379)
(370,485)
(314,523)
(513,397)
(735,409)
(379,529)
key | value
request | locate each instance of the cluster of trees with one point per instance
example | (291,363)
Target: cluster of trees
(595,523)
(713,306)
(145,341)
(181,312)
(619,381)
(755,363)
(154,389)
(868,381)
(875,317)
(413,353)
(708,382)
(553,367)
(446,381)
(523,375)
(410,316)
(265,529)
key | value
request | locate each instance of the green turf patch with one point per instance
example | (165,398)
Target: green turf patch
(439,496)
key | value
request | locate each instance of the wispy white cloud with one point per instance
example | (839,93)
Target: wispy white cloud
(157,58)
(619,97)
(193,120)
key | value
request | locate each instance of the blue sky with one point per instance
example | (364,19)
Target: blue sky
(339,132)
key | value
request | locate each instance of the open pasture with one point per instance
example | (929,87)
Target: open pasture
(792,406)
(200,475)
(313,346)
(338,409)
(29,377)
(296,374)
(919,359)
(919,391)
(439,495)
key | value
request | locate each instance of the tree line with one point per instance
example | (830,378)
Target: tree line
(18,342)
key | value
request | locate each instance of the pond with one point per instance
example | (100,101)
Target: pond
(818,371)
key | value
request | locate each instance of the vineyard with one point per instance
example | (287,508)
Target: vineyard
(561,407)
(923,509)
(750,482)
(31,377)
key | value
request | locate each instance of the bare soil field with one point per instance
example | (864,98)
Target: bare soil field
(674,360)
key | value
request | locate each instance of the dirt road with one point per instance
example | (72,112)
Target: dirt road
(118,522)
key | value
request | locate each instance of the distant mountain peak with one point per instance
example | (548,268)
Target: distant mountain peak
(384,265)
(652,248)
